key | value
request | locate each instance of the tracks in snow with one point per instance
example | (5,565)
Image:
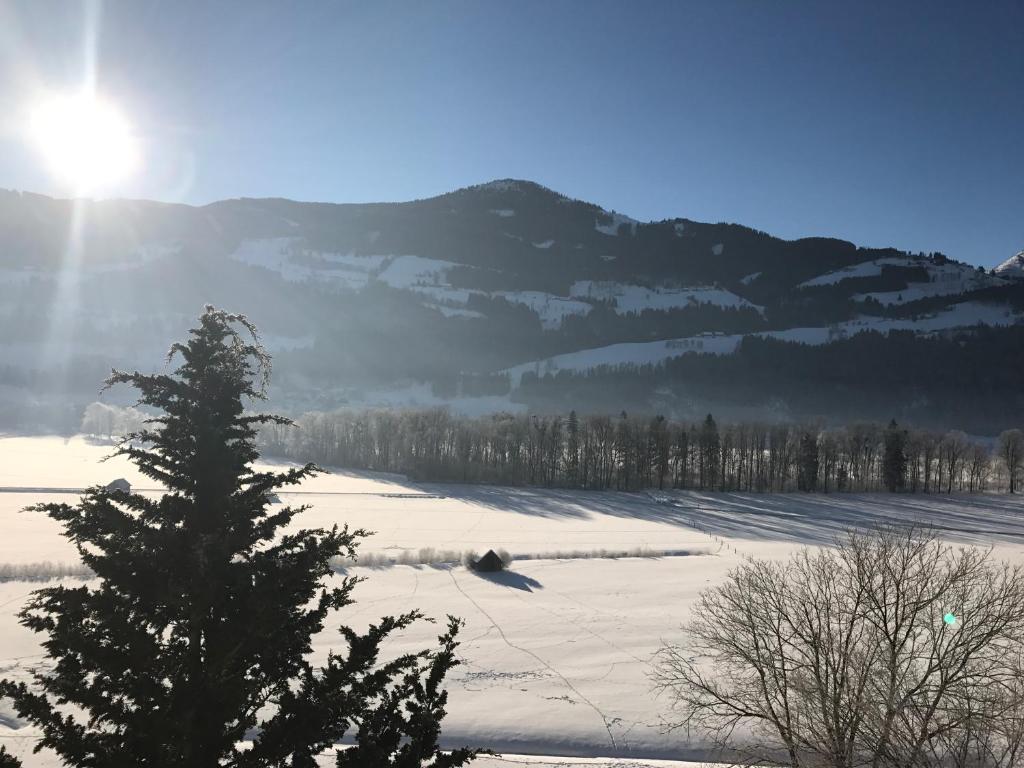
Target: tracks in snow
(604,720)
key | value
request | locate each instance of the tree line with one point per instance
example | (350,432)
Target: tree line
(631,453)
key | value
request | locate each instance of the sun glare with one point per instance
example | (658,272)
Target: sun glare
(86,142)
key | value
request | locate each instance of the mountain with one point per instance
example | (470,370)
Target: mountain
(1012,267)
(505,295)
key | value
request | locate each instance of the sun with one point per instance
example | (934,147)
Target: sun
(86,142)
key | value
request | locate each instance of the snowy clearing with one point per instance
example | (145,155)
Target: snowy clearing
(626,353)
(748,279)
(943,284)
(618,220)
(278,255)
(406,271)
(551,309)
(636,298)
(864,269)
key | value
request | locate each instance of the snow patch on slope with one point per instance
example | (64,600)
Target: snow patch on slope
(407,271)
(278,255)
(360,263)
(617,220)
(445,293)
(453,311)
(944,280)
(635,298)
(864,269)
(965,315)
(1012,267)
(551,309)
(629,353)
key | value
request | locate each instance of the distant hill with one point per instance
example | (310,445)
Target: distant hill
(505,295)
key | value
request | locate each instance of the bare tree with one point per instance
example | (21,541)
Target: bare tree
(891,650)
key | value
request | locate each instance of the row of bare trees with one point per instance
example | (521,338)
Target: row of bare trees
(631,453)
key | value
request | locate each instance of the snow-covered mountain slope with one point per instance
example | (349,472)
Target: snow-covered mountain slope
(948,279)
(446,293)
(965,315)
(1012,267)
(871,268)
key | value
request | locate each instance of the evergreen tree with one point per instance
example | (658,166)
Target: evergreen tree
(894,459)
(198,632)
(400,725)
(7,760)
(661,446)
(709,452)
(573,449)
(807,471)
(1011,450)
(623,446)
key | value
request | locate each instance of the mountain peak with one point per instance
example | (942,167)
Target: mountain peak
(523,186)
(1012,267)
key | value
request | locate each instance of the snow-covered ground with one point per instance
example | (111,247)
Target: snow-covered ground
(556,652)
(636,298)
(946,279)
(943,280)
(627,353)
(864,269)
(279,254)
(406,271)
(551,309)
(1012,267)
(617,220)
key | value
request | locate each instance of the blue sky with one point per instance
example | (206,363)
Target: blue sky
(882,123)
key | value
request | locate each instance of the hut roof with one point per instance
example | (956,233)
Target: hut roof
(489,563)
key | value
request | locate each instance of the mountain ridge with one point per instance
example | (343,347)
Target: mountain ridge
(452,292)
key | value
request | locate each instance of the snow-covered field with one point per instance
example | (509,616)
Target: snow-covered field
(556,652)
